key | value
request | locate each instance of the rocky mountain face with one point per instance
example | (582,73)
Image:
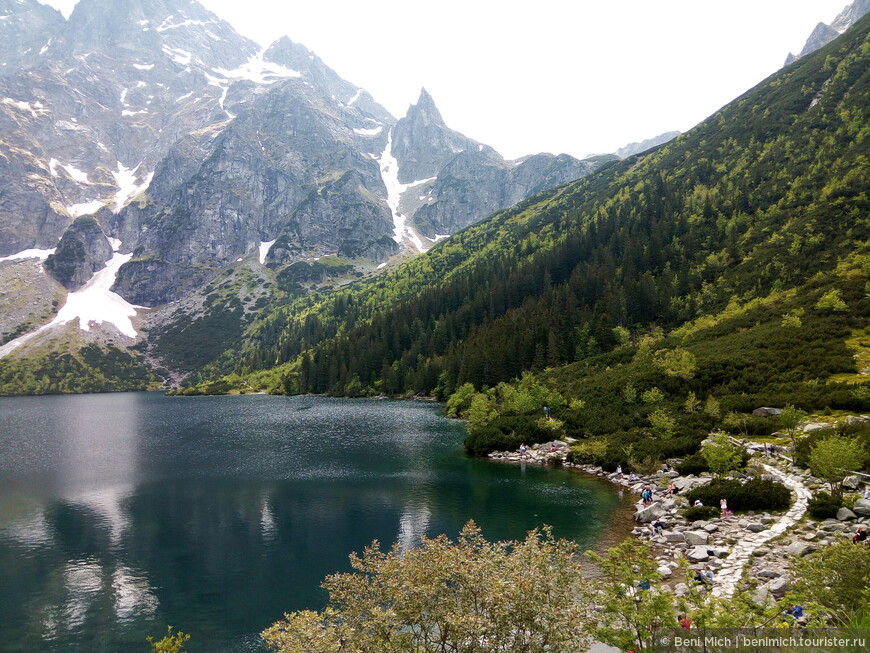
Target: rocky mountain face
(196,149)
(82,251)
(23,26)
(644,145)
(456,180)
(824,33)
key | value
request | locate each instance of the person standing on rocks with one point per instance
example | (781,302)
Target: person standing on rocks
(619,472)
(723,506)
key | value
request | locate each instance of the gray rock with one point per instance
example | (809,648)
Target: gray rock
(844,514)
(779,587)
(649,513)
(852,482)
(762,597)
(711,528)
(862,507)
(768,573)
(674,537)
(698,554)
(756,527)
(764,411)
(696,537)
(82,251)
(812,427)
(664,572)
(798,549)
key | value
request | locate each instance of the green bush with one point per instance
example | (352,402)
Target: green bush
(697,465)
(756,494)
(695,513)
(823,506)
(505,434)
(694,464)
(860,432)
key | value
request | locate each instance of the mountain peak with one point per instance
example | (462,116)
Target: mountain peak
(147,27)
(425,109)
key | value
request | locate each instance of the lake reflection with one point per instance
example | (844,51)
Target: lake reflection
(121,514)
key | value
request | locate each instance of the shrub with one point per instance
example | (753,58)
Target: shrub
(824,506)
(695,513)
(505,434)
(756,494)
(696,464)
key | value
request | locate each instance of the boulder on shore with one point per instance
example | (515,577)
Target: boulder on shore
(649,513)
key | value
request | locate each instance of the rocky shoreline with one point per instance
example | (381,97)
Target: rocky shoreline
(748,553)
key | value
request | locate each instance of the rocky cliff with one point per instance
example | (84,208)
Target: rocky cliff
(196,149)
(824,33)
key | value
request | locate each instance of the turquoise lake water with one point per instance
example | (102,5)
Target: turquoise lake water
(121,514)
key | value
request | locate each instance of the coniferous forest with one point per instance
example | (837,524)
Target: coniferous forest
(729,269)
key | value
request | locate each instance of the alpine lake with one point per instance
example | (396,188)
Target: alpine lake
(121,514)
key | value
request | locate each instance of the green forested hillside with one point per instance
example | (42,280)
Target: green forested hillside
(738,252)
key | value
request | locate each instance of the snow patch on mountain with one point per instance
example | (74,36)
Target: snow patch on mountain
(184,23)
(96,303)
(93,304)
(258,71)
(390,174)
(41,254)
(75,173)
(36,109)
(369,132)
(179,56)
(85,208)
(127,186)
(265,246)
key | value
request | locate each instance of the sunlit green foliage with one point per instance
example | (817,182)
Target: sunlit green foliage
(170,643)
(91,369)
(834,458)
(721,456)
(469,596)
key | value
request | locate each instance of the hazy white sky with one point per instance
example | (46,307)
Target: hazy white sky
(575,76)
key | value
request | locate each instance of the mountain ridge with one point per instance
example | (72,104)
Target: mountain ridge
(199,151)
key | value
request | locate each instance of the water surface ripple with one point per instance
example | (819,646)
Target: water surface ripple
(123,513)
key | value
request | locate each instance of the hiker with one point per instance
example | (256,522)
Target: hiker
(723,506)
(646,496)
(523,450)
(619,472)
(704,577)
(656,527)
(672,489)
(684,621)
(860,535)
(867,493)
